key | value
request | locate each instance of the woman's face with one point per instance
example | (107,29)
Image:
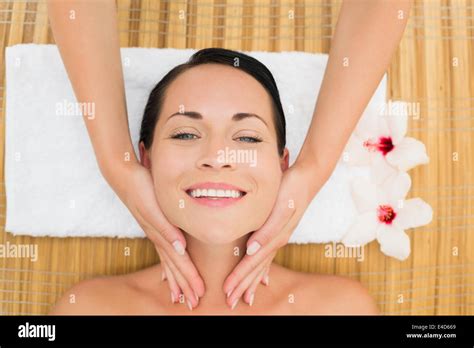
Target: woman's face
(206,147)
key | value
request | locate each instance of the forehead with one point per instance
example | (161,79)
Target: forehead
(219,88)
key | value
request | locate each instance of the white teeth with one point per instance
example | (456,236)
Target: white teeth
(215,193)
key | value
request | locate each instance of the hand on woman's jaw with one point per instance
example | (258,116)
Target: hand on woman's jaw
(199,118)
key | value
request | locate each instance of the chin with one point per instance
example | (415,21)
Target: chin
(211,233)
(215,225)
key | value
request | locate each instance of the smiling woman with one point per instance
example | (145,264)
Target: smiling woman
(216,204)
(233,107)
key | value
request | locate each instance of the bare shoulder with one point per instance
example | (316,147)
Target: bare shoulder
(91,297)
(338,295)
(321,294)
(132,293)
(125,294)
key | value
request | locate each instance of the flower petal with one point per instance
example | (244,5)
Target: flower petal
(414,213)
(362,231)
(397,120)
(408,154)
(355,153)
(393,241)
(364,194)
(394,189)
(381,170)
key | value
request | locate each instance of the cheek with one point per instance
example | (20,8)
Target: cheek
(165,169)
(268,178)
(171,166)
(167,172)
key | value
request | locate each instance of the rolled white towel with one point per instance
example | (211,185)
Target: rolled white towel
(53,184)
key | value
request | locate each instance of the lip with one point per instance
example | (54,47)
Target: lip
(215,202)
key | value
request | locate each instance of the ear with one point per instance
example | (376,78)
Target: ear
(285,159)
(144,156)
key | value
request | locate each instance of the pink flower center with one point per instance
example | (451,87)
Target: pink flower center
(386,214)
(383,144)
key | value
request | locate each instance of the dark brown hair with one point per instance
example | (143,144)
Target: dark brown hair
(223,56)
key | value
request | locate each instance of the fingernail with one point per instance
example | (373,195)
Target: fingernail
(189,305)
(228,294)
(172,298)
(162,276)
(234,303)
(266,279)
(251,299)
(196,295)
(253,248)
(178,246)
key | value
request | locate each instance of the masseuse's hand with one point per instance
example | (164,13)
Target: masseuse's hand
(137,192)
(98,78)
(345,91)
(293,199)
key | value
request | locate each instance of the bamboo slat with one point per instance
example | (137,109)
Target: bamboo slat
(433,67)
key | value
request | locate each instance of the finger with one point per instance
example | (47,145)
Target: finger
(249,294)
(185,266)
(175,290)
(155,221)
(280,216)
(235,295)
(247,265)
(162,263)
(191,299)
(266,276)
(163,270)
(184,291)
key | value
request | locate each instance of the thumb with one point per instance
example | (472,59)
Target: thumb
(278,218)
(168,232)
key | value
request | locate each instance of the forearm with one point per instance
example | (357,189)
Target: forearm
(366,36)
(90,49)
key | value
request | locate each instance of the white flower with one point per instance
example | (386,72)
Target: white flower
(379,140)
(385,214)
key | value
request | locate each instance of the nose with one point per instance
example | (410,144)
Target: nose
(215,155)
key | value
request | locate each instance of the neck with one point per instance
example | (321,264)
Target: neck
(214,263)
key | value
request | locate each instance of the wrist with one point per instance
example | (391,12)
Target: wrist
(114,170)
(312,174)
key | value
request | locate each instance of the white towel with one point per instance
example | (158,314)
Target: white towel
(53,184)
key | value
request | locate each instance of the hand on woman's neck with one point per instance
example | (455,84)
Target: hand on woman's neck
(214,263)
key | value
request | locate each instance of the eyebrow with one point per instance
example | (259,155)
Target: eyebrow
(236,117)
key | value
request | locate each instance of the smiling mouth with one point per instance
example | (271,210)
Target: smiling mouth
(215,194)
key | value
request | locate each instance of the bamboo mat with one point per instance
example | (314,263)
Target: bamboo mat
(434,66)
